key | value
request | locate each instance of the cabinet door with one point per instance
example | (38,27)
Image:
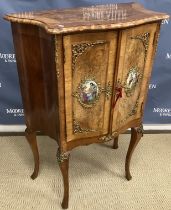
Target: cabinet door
(89,73)
(134,70)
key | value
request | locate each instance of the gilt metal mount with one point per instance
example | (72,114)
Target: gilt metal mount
(61,157)
(140,129)
(106,138)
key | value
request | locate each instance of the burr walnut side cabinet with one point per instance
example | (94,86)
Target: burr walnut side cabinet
(84,75)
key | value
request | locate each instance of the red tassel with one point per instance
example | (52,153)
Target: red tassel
(118,95)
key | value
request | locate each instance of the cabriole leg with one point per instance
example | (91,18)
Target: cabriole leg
(63,160)
(136,134)
(115,142)
(31,138)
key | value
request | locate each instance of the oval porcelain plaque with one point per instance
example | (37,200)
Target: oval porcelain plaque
(132,79)
(89,92)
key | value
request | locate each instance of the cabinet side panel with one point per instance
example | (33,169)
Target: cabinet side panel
(36,69)
(148,69)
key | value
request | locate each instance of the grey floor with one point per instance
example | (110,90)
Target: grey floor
(96,175)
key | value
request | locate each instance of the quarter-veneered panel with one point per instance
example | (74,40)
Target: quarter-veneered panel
(89,73)
(134,73)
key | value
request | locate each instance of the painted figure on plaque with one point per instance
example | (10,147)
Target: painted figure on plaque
(88,92)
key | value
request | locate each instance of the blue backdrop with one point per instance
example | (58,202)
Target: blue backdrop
(158,107)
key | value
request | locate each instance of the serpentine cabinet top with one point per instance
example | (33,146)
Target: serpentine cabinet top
(97,17)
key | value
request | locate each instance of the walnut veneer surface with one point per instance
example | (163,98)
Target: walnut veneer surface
(69,20)
(83,80)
